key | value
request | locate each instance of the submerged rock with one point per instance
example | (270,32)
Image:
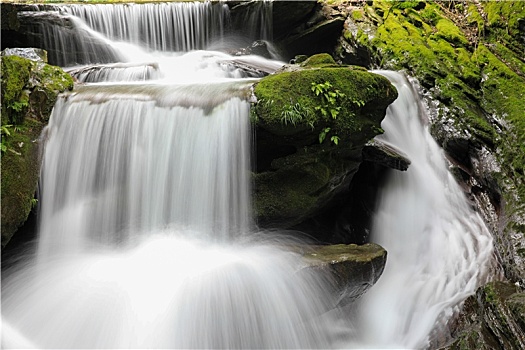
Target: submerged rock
(353,268)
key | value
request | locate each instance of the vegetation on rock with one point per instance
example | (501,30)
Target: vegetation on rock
(324,114)
(29,90)
(468,56)
(492,319)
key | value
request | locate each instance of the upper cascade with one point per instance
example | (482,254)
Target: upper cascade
(79,34)
(171,26)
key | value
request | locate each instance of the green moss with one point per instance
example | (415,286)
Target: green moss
(450,32)
(504,95)
(276,93)
(475,18)
(15,77)
(357,14)
(20,170)
(29,90)
(321,59)
(503,22)
(342,252)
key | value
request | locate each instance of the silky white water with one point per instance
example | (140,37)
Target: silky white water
(146,238)
(439,249)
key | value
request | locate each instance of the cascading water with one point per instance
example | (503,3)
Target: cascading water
(439,249)
(146,238)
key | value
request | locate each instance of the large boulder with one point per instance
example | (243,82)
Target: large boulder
(313,120)
(29,91)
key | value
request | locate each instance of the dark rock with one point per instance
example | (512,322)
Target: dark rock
(354,268)
(379,152)
(258,47)
(320,38)
(307,174)
(9,18)
(288,15)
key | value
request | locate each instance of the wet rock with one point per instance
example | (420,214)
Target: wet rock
(29,91)
(305,156)
(379,152)
(31,53)
(354,268)
(491,319)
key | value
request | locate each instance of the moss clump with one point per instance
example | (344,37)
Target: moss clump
(321,59)
(15,72)
(362,91)
(503,94)
(448,31)
(29,90)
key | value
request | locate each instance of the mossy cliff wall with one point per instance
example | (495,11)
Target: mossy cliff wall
(469,58)
(29,90)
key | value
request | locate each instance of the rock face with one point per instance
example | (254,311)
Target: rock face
(29,91)
(470,69)
(494,318)
(468,60)
(354,268)
(312,121)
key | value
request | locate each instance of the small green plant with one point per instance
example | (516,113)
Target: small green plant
(296,114)
(330,98)
(5,132)
(335,139)
(18,106)
(322,134)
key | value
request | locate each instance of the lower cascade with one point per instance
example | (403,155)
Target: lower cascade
(439,249)
(147,240)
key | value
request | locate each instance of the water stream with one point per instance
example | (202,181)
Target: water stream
(146,238)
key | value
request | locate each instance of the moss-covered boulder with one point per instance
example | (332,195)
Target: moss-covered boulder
(353,268)
(313,120)
(29,90)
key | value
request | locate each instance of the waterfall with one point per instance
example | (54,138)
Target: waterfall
(146,238)
(170,26)
(439,249)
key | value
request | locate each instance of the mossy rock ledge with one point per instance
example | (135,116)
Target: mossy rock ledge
(29,90)
(353,269)
(309,148)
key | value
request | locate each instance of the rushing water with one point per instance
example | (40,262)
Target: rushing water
(146,238)
(439,249)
